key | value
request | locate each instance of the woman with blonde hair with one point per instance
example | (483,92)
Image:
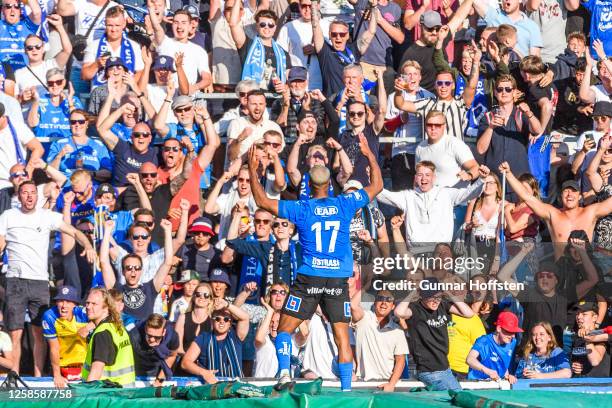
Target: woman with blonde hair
(542,357)
(197,317)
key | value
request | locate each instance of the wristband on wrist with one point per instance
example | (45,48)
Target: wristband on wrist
(46,166)
(140,95)
(167,100)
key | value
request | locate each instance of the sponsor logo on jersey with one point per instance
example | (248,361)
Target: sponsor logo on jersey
(326,211)
(293,303)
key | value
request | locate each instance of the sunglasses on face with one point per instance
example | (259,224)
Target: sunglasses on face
(444,83)
(242,94)
(219,319)
(136,237)
(260,221)
(279,223)
(506,89)
(281,292)
(202,295)
(600,118)
(384,299)
(356,114)
(87,231)
(338,35)
(433,29)
(183,110)
(171,149)
(273,144)
(148,175)
(435,125)
(269,25)
(140,135)
(198,233)
(11,6)
(33,47)
(55,83)
(243,180)
(132,268)
(154,338)
(77,121)
(81,192)
(18,174)
(305,6)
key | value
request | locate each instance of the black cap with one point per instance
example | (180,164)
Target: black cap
(548,266)
(602,108)
(587,306)
(304,114)
(105,188)
(570,184)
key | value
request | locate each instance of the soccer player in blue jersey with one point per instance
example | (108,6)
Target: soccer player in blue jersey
(327,258)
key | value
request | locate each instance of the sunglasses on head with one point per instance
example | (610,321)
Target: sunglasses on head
(136,237)
(354,114)
(183,109)
(55,83)
(152,337)
(171,148)
(219,319)
(338,35)
(18,174)
(279,223)
(131,268)
(444,83)
(281,292)
(148,175)
(202,295)
(78,121)
(140,135)
(273,144)
(506,89)
(260,221)
(269,25)
(33,47)
(380,298)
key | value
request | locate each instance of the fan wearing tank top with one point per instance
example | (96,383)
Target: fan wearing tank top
(482,215)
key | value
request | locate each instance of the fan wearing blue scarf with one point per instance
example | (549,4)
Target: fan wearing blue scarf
(15,27)
(113,42)
(263,59)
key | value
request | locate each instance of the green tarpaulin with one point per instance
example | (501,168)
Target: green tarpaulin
(305,395)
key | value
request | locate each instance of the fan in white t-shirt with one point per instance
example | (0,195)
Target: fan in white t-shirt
(195,57)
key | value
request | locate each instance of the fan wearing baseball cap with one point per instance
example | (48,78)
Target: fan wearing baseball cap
(491,354)
(200,256)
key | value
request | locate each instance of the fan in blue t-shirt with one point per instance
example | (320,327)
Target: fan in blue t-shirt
(323,224)
(492,353)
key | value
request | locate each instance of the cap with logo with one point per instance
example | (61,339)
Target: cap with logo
(68,293)
(188,275)
(192,10)
(219,275)
(105,188)
(163,62)
(115,62)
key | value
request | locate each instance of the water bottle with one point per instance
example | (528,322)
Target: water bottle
(79,160)
(267,76)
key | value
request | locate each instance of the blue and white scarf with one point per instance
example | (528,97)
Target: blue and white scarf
(250,271)
(255,62)
(127,56)
(479,104)
(223,355)
(346,57)
(305,193)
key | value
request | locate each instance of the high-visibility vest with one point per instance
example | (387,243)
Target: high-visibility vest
(122,371)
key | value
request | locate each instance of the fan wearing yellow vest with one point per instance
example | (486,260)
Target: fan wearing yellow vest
(109,351)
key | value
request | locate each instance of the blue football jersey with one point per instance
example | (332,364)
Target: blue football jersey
(323,225)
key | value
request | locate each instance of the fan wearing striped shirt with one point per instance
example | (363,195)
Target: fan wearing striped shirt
(453,107)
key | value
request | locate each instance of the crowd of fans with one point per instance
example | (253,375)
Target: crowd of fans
(143,155)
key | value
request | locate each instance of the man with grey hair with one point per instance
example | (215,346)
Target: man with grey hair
(323,224)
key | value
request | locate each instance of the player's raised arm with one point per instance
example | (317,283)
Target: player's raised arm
(259,194)
(376,180)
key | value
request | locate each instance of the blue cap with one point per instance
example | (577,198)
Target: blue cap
(163,62)
(68,293)
(219,275)
(115,62)
(297,74)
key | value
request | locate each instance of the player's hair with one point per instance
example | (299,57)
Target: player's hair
(532,182)
(427,164)
(505,78)
(155,321)
(265,14)
(577,35)
(319,175)
(411,63)
(532,64)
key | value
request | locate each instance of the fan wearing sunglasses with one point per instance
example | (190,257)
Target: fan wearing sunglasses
(262,51)
(272,168)
(200,255)
(173,158)
(219,353)
(196,318)
(22,25)
(32,77)
(139,298)
(79,151)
